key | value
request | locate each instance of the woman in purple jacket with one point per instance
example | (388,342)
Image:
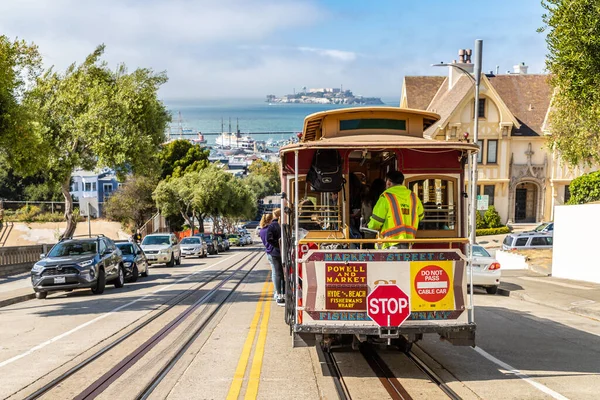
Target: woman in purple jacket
(264,227)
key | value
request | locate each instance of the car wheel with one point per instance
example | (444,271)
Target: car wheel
(491,289)
(120,278)
(145,273)
(171,263)
(100,283)
(41,295)
(178,260)
(135,273)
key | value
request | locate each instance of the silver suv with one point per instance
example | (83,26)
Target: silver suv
(527,240)
(162,248)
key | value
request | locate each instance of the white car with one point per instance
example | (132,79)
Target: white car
(486,270)
(162,248)
(193,247)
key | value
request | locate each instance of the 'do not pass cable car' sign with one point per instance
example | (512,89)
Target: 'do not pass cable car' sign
(388,305)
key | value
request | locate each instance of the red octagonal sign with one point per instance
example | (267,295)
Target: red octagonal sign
(388,305)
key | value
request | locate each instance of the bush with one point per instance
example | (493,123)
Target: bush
(27,213)
(585,188)
(492,231)
(479,220)
(492,218)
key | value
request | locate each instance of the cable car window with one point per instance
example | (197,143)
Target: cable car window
(438,196)
(373,123)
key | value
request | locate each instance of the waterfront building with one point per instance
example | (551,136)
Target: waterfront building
(522,176)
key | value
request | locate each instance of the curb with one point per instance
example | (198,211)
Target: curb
(16,299)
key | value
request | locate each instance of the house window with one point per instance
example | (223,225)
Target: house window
(567,194)
(481,111)
(88,187)
(480,154)
(489,191)
(492,151)
(75,186)
(93,186)
(108,188)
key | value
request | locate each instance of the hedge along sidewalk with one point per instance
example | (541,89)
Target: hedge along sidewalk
(492,231)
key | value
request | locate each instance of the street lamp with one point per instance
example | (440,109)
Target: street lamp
(476,78)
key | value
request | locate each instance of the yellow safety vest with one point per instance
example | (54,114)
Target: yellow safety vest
(397,214)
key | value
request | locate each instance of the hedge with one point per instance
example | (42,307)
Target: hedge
(492,231)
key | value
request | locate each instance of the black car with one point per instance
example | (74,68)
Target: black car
(78,263)
(134,260)
(211,245)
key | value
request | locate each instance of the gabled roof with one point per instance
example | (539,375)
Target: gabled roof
(528,99)
(420,90)
(445,101)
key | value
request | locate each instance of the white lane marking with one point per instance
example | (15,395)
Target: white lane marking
(54,339)
(547,281)
(432,285)
(521,375)
(582,303)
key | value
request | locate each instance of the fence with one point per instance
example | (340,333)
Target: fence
(156,224)
(16,259)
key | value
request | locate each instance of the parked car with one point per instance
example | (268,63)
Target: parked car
(218,242)
(248,238)
(134,260)
(544,227)
(226,243)
(78,263)
(527,240)
(210,244)
(251,224)
(193,246)
(234,240)
(162,248)
(486,270)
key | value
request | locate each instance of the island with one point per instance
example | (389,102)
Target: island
(324,96)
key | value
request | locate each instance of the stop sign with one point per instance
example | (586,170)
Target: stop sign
(388,305)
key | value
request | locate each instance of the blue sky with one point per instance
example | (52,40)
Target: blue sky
(250,48)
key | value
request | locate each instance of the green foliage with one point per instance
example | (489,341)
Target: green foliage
(479,220)
(492,218)
(263,178)
(20,63)
(91,116)
(573,38)
(132,203)
(27,213)
(585,188)
(492,231)
(43,191)
(179,157)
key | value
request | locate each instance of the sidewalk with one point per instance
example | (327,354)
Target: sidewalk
(578,297)
(15,289)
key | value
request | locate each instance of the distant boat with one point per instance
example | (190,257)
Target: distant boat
(199,140)
(235,141)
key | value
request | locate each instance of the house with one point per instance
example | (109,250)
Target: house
(93,188)
(523,178)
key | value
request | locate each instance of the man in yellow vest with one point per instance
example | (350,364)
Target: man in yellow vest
(398,211)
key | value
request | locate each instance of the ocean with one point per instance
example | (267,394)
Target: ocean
(253,116)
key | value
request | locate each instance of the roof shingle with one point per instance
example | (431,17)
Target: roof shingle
(421,89)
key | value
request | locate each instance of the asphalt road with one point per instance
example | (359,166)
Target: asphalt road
(524,350)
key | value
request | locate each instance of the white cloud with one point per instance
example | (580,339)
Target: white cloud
(335,54)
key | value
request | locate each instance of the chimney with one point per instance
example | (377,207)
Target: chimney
(464,61)
(520,69)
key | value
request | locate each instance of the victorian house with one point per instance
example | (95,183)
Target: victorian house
(523,178)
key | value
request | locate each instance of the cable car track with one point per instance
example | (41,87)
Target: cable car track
(98,387)
(382,371)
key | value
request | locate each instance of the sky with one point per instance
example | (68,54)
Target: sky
(251,48)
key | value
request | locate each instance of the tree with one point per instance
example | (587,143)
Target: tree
(20,63)
(573,39)
(93,116)
(585,188)
(132,203)
(263,178)
(492,218)
(179,157)
(175,197)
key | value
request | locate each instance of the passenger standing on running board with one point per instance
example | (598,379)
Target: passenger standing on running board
(273,238)
(265,221)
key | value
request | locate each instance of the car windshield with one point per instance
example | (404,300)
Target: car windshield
(126,248)
(207,239)
(77,248)
(541,227)
(149,240)
(190,241)
(479,251)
